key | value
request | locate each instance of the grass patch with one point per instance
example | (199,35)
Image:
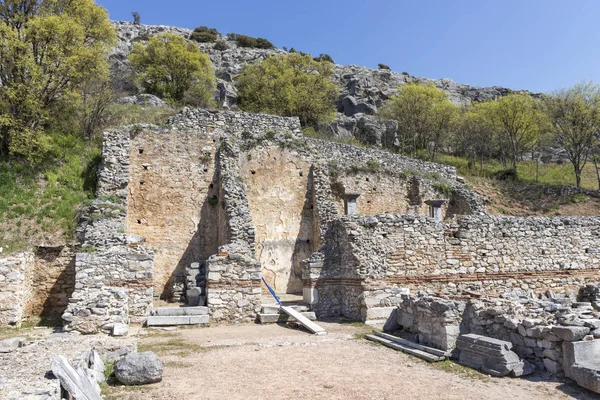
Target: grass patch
(42,201)
(132,114)
(552,174)
(453,368)
(175,347)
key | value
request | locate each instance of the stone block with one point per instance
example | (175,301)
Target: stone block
(552,366)
(120,330)
(177,320)
(580,363)
(490,355)
(180,311)
(10,345)
(570,333)
(379,313)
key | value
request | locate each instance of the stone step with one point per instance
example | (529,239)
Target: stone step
(282,318)
(180,311)
(177,320)
(274,309)
(430,350)
(405,349)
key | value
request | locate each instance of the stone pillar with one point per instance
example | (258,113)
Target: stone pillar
(350,203)
(435,209)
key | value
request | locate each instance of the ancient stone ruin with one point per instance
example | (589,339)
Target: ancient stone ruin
(196,212)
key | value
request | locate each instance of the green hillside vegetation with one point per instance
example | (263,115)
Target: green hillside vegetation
(54,106)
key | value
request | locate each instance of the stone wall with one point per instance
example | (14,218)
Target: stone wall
(114,270)
(15,287)
(53,282)
(172,184)
(387,254)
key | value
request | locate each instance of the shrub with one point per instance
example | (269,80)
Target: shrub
(324,57)
(383,66)
(221,45)
(405,73)
(289,85)
(204,34)
(173,69)
(250,42)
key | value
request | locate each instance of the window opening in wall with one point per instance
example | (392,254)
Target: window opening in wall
(142,182)
(139,221)
(350,203)
(435,209)
(253,172)
(141,151)
(205,169)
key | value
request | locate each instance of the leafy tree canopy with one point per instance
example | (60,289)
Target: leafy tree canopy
(49,49)
(290,85)
(175,70)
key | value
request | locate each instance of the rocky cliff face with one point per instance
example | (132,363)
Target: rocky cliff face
(363,90)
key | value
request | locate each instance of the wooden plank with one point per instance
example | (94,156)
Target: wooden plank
(431,350)
(405,349)
(308,324)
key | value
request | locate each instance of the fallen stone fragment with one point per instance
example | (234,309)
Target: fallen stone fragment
(75,382)
(491,356)
(139,369)
(10,345)
(120,330)
(570,333)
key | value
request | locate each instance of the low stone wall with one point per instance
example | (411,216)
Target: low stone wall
(15,288)
(388,253)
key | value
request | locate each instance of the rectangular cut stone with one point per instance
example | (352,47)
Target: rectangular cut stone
(280,318)
(379,313)
(180,311)
(177,320)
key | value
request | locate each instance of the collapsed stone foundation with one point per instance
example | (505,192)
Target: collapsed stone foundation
(543,331)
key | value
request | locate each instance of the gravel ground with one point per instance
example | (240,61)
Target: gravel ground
(276,362)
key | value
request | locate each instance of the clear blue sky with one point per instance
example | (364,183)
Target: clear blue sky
(539,45)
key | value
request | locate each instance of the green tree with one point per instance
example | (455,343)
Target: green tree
(49,49)
(473,135)
(425,117)
(517,120)
(574,114)
(290,85)
(175,70)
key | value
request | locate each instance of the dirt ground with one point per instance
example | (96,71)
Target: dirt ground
(279,362)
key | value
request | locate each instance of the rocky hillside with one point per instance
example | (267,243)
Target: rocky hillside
(362,90)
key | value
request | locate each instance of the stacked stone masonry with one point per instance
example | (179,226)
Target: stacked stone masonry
(538,328)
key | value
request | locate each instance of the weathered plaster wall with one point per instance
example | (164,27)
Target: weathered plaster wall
(281,206)
(172,200)
(53,282)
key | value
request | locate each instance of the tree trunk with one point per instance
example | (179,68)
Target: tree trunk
(597,170)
